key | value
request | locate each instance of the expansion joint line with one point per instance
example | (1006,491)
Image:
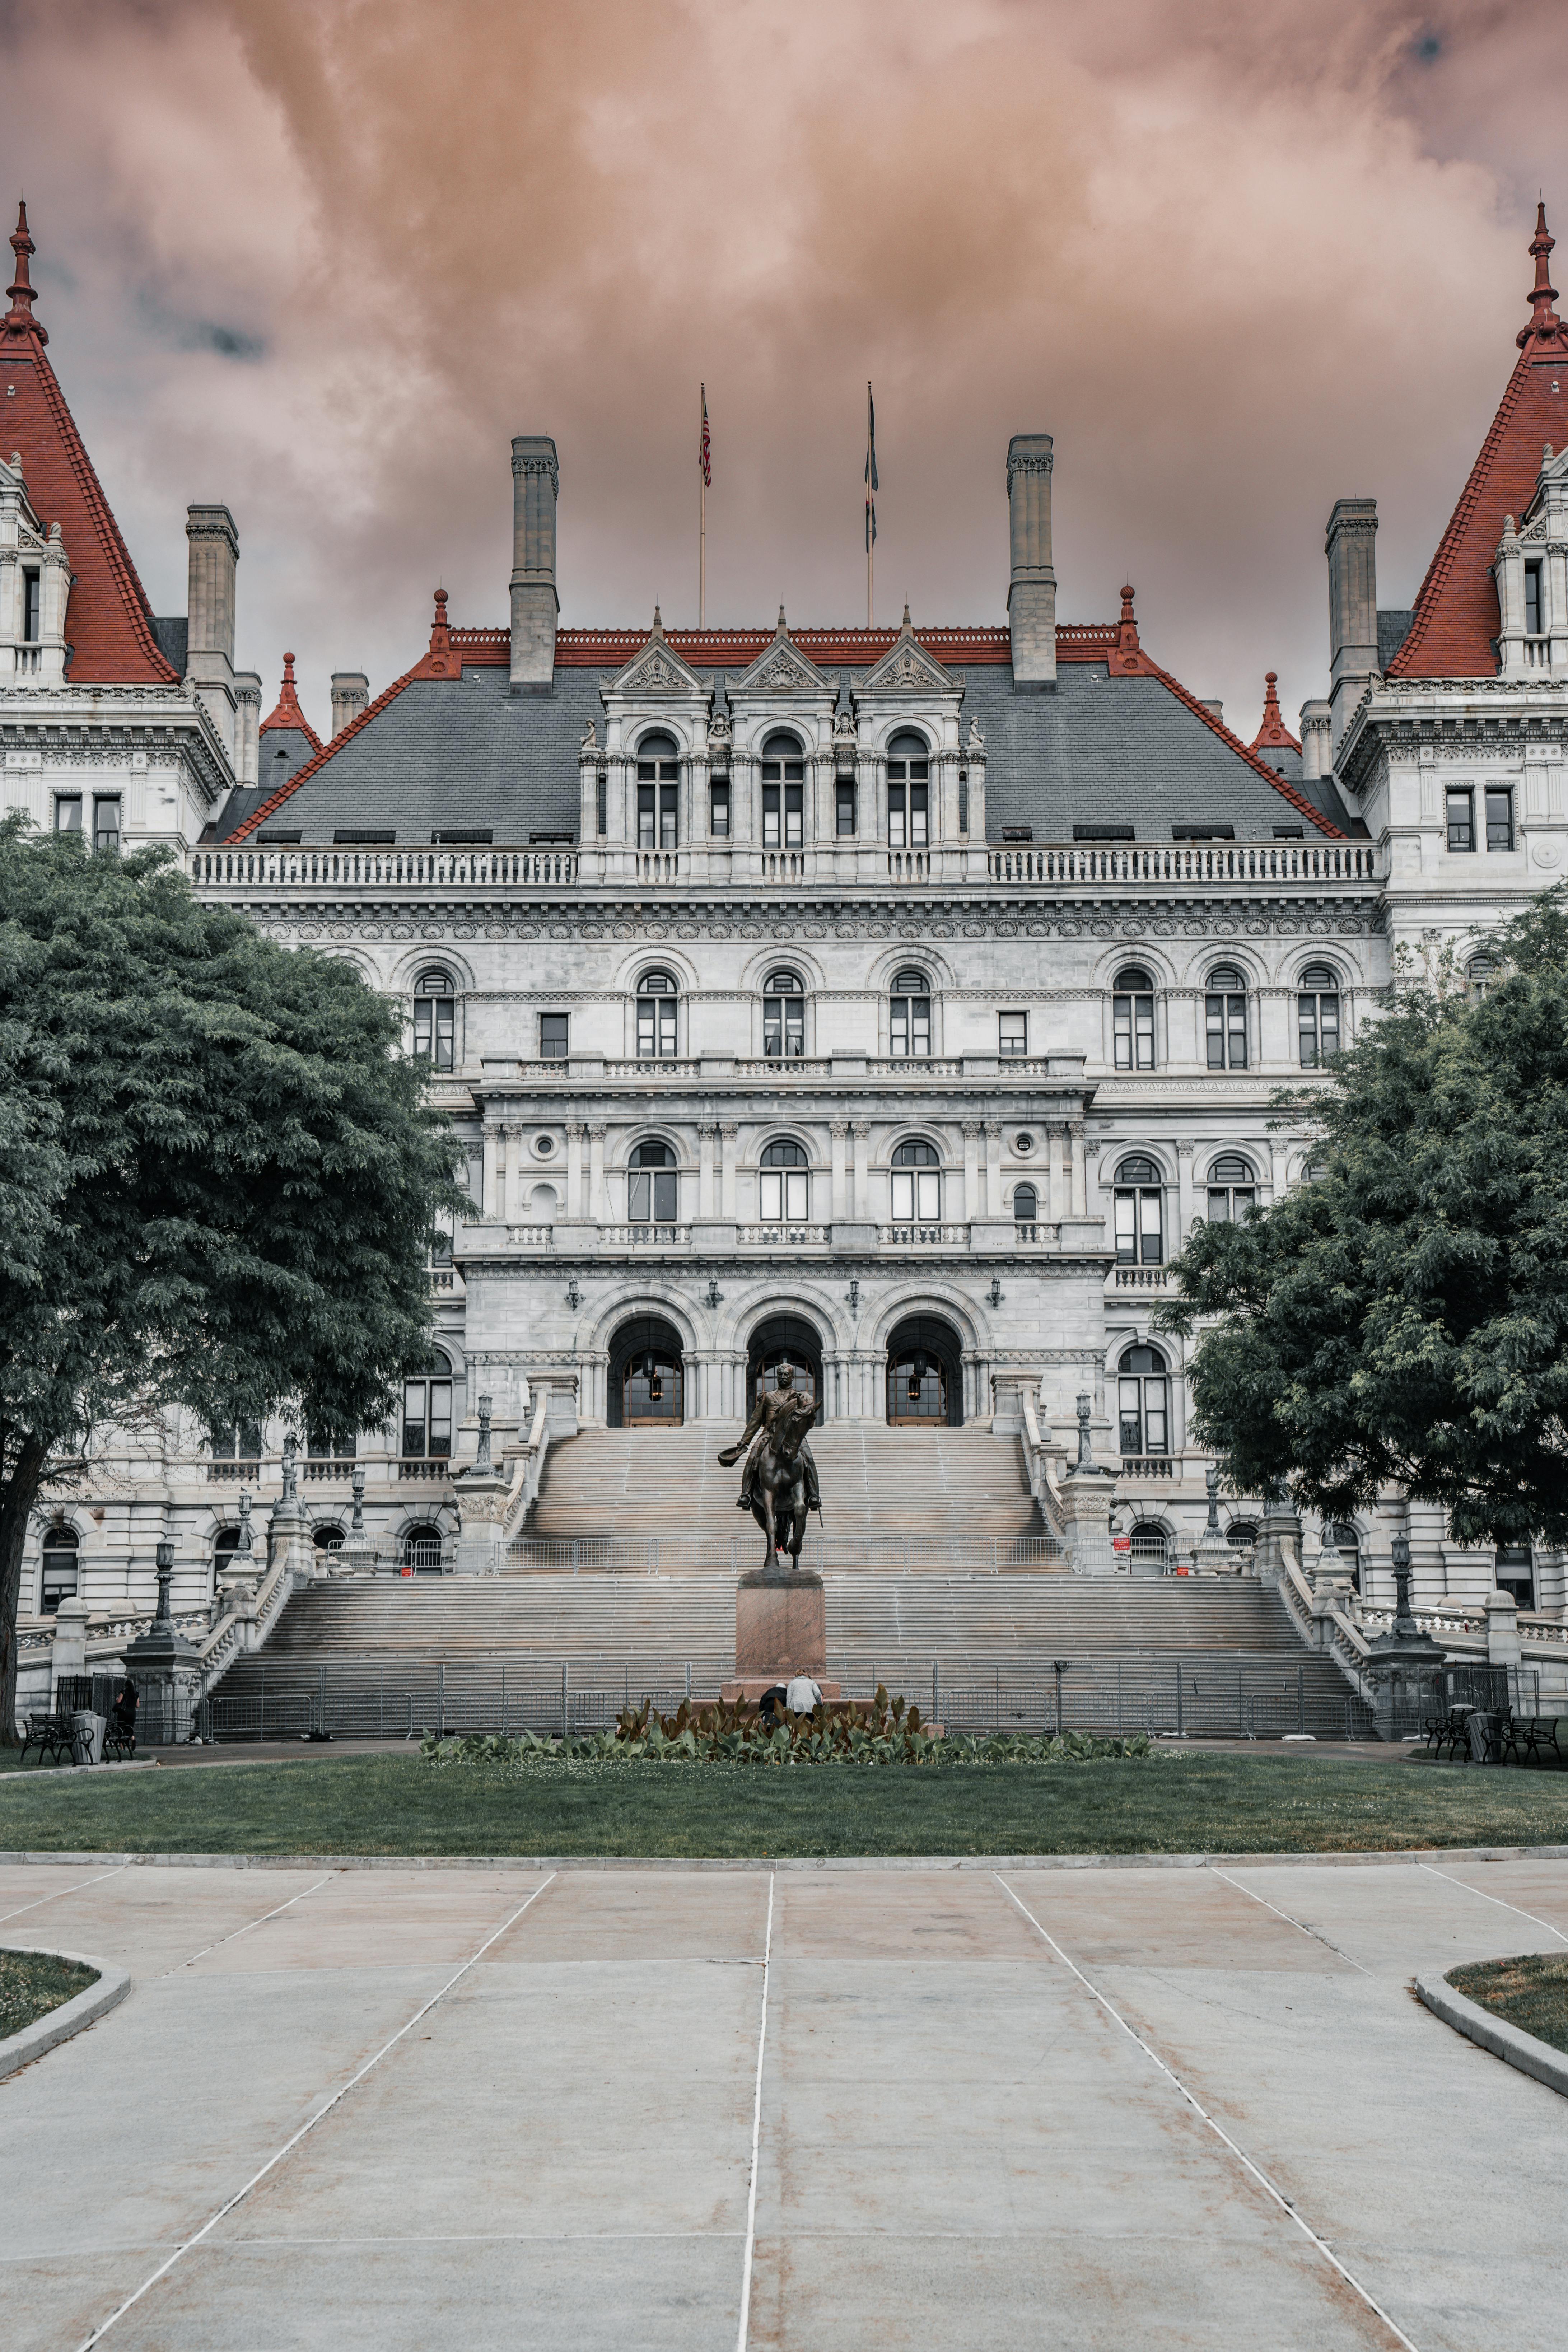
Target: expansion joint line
(1498,1899)
(276,1913)
(756,2133)
(1247,2163)
(325,2109)
(1289,1919)
(61,1892)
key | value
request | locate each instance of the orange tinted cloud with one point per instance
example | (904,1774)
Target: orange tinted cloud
(321,258)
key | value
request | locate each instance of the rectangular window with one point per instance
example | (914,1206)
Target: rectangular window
(1139,1236)
(32,607)
(241,1444)
(651,1196)
(783,1028)
(845,805)
(1461,817)
(917,1196)
(434,1029)
(1532,600)
(910,1027)
(552,1036)
(602,807)
(772,795)
(1224,1025)
(106,823)
(794,816)
(719,808)
(68,813)
(657,806)
(1318,1026)
(1012,1036)
(909,812)
(1133,1027)
(785,1195)
(1140,1412)
(1499,817)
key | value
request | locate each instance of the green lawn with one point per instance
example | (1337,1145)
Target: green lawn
(1530,1992)
(32,1984)
(391,1805)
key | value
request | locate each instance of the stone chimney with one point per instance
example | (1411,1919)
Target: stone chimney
(1317,760)
(1352,551)
(350,695)
(1032,591)
(247,726)
(1213,704)
(213,558)
(535,480)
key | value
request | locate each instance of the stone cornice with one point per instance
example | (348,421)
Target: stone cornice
(72,722)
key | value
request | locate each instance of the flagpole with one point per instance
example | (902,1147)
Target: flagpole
(870,516)
(702,531)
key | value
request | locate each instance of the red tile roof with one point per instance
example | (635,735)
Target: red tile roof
(288,713)
(1457,616)
(109,622)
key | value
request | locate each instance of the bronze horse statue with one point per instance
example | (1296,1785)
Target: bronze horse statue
(779,1484)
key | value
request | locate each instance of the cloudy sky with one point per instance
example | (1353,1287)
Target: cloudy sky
(320,260)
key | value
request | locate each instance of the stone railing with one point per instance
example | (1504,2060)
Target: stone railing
(783,1237)
(1140,1277)
(1322,1624)
(1039,1460)
(920,1235)
(529,1474)
(349,868)
(646,1236)
(1325,862)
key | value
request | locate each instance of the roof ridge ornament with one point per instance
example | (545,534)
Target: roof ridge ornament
(1273,735)
(288,713)
(1545,326)
(19,318)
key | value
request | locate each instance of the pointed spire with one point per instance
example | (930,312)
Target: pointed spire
(288,713)
(783,629)
(19,318)
(1545,326)
(657,629)
(1273,735)
(908,627)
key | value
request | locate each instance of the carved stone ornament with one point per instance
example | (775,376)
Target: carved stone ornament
(784,675)
(590,737)
(656,675)
(844,726)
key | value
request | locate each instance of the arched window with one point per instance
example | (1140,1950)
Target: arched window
(652,1186)
(1318,1015)
(1147,1550)
(60,1568)
(1025,1204)
(917,1183)
(908,792)
(1224,1018)
(422,1552)
(225,1543)
(784,794)
(909,1025)
(427,1412)
(1140,1219)
(1142,1402)
(1347,1543)
(1233,1189)
(435,1017)
(783,1016)
(659,1001)
(784,1185)
(327,1537)
(1242,1534)
(1481,972)
(1132,1019)
(239,1442)
(659,792)
(1516,1572)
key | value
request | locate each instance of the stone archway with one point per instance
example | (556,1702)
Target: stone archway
(647,1375)
(925,1374)
(779,1337)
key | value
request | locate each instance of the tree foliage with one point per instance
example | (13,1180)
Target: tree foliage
(1403,1318)
(218,1177)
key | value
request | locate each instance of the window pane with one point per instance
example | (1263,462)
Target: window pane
(414,1417)
(552,1036)
(106,823)
(794,817)
(32,606)
(845,800)
(1149,1225)
(440,1419)
(640,1196)
(1461,827)
(928,1193)
(1012,1037)
(1500,820)
(1329,1022)
(772,1195)
(444,1029)
(1129,1401)
(918,797)
(903,1197)
(1219,1206)
(68,813)
(896,815)
(663,1196)
(1121,1030)
(645,815)
(1531,600)
(1306,1022)
(919,1026)
(1126,1228)
(667,816)
(1154,1416)
(1143,1018)
(1213,1025)
(719,811)
(1241,1199)
(797,1184)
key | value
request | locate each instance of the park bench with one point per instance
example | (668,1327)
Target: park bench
(1526,1737)
(51,1734)
(112,1696)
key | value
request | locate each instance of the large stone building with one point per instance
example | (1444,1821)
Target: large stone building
(892,999)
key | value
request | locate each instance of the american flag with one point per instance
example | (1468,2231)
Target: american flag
(870,471)
(705,451)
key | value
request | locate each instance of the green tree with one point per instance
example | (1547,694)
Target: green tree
(1402,1319)
(218,1176)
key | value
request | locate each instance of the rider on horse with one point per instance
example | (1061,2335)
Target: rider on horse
(771,1405)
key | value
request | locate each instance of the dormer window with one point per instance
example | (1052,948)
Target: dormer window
(32,607)
(1532,600)
(908,792)
(659,788)
(784,794)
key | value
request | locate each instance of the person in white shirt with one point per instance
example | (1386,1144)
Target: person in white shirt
(802,1695)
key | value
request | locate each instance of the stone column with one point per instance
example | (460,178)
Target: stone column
(861,1210)
(492,1169)
(1079,1181)
(480,1493)
(838,1133)
(705,1170)
(992,1169)
(598,1206)
(1183,1196)
(971,1207)
(728,1133)
(1089,1494)
(573,1170)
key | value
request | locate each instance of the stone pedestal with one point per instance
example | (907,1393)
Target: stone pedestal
(1502,1629)
(482,1499)
(1088,1498)
(781,1622)
(68,1652)
(749,1688)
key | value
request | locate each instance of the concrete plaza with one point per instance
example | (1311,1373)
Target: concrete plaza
(489,2106)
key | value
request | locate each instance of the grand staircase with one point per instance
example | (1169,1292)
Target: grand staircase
(892,1500)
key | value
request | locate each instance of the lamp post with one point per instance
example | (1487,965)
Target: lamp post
(1404,1622)
(1059,1667)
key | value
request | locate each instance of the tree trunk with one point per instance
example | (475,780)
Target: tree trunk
(18,1493)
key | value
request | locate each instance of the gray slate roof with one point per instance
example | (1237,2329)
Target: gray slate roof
(446,755)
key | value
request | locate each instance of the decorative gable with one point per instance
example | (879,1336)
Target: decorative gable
(657,670)
(782,668)
(907,668)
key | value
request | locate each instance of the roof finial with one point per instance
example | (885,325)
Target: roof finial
(1273,735)
(1545,326)
(288,713)
(657,623)
(19,318)
(783,629)
(907,623)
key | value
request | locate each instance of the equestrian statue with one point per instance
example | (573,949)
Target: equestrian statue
(779,1486)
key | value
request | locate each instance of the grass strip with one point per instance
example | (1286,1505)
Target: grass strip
(398,1805)
(32,1984)
(1530,1992)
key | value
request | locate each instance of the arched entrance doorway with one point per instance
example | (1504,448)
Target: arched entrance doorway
(646,1388)
(925,1374)
(784,1338)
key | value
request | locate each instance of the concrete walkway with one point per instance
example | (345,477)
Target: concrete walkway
(490,2107)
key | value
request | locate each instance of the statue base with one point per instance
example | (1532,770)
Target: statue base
(781,1622)
(749,1688)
